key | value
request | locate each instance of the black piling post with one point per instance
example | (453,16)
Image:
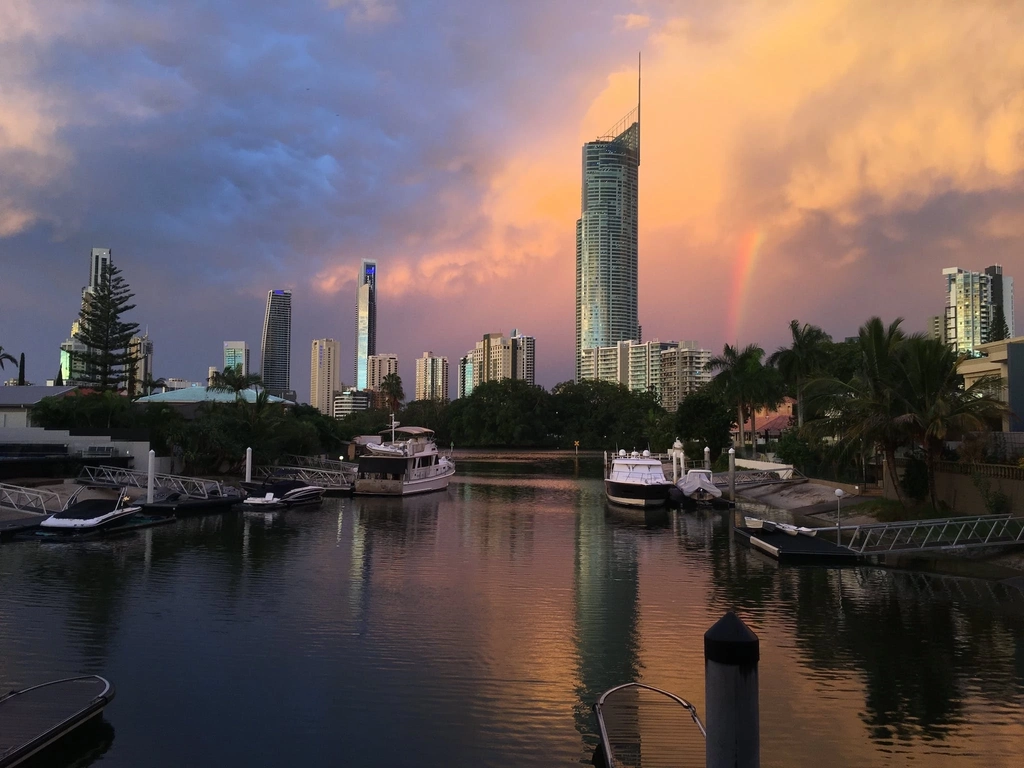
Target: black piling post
(731,654)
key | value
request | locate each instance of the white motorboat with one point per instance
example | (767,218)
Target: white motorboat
(408,463)
(637,480)
(91,514)
(282,494)
(699,485)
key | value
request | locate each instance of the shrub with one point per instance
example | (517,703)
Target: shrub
(915,479)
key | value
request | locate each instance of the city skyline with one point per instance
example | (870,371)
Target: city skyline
(775,185)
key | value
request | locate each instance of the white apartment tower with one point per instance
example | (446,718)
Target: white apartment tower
(431,377)
(974,301)
(496,357)
(377,367)
(323,374)
(669,369)
(236,355)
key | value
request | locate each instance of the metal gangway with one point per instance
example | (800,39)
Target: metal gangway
(31,500)
(640,725)
(336,480)
(949,533)
(119,477)
(319,462)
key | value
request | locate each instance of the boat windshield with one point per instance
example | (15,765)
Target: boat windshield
(88,509)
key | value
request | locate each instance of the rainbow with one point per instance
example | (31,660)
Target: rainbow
(742,276)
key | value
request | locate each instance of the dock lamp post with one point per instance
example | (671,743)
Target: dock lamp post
(839,503)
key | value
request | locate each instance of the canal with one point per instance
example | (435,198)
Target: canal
(476,628)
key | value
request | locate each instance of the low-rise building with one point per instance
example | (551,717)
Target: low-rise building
(351,400)
(1005,360)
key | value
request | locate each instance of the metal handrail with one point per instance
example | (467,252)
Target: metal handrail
(606,743)
(967,532)
(28,499)
(114,477)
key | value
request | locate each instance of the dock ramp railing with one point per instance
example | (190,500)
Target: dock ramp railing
(34,500)
(325,478)
(119,477)
(950,533)
(640,725)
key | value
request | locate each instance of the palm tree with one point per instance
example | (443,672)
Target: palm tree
(391,388)
(738,379)
(937,403)
(5,357)
(798,362)
(149,384)
(231,379)
(868,407)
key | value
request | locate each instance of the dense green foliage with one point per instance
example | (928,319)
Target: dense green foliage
(804,358)
(107,362)
(746,383)
(392,391)
(999,330)
(704,418)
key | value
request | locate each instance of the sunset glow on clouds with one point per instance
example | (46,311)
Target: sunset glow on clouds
(228,148)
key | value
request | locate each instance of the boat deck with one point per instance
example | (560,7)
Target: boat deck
(35,717)
(644,727)
(799,548)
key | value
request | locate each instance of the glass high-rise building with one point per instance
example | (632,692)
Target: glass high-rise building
(236,355)
(276,352)
(366,320)
(606,240)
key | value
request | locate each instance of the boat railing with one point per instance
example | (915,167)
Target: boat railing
(646,478)
(632,714)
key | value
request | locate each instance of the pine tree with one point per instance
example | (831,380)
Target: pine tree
(59,381)
(999,330)
(108,358)
(21,370)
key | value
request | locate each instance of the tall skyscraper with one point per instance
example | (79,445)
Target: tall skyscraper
(974,301)
(236,355)
(606,239)
(276,350)
(99,261)
(466,365)
(366,320)
(377,367)
(323,374)
(683,372)
(431,377)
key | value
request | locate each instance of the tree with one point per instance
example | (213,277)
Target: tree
(868,407)
(21,370)
(5,357)
(391,388)
(231,379)
(59,381)
(106,336)
(742,381)
(705,417)
(999,330)
(805,357)
(936,403)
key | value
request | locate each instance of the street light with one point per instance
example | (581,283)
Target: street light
(839,503)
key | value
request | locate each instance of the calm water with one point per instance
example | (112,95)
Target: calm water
(476,628)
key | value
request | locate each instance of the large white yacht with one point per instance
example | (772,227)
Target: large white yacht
(637,480)
(408,463)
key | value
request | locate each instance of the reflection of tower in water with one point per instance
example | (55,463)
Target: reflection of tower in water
(607,591)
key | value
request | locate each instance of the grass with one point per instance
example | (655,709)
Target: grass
(891,510)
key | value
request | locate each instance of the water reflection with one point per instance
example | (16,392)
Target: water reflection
(479,626)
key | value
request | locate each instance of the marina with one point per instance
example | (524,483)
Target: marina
(484,622)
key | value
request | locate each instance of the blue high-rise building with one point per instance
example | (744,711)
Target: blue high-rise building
(606,240)
(366,320)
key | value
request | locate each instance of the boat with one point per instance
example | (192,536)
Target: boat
(406,464)
(637,480)
(698,486)
(284,494)
(35,717)
(91,514)
(169,501)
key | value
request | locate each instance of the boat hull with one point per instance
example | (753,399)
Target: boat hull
(405,487)
(101,523)
(636,494)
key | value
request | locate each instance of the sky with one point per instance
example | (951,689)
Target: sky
(820,160)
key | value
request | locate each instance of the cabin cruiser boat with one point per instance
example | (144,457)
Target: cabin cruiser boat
(283,494)
(637,480)
(91,514)
(406,464)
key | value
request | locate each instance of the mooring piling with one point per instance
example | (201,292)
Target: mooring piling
(731,655)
